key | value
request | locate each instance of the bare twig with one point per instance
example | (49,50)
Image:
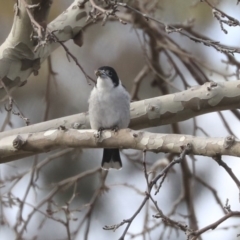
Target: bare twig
(137,82)
(11,101)
(186,150)
(219,160)
(51,75)
(194,235)
(73,57)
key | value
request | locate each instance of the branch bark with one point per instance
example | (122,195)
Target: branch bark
(167,109)
(27,47)
(18,146)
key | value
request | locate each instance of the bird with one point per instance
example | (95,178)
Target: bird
(109,108)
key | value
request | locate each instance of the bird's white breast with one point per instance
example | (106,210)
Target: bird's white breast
(109,107)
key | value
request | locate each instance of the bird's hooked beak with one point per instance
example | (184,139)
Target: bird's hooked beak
(99,73)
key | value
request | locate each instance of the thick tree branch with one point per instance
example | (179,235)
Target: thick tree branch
(18,146)
(29,42)
(167,109)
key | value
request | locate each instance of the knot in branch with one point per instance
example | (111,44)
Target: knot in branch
(229,141)
(18,142)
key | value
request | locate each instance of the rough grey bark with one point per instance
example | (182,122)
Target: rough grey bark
(28,44)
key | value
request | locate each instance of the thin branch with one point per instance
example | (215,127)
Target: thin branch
(137,82)
(214,192)
(226,124)
(194,235)
(185,150)
(219,160)
(73,57)
(10,107)
(51,75)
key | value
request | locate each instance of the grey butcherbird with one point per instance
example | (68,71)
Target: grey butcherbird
(109,108)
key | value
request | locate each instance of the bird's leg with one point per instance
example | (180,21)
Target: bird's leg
(115,129)
(100,130)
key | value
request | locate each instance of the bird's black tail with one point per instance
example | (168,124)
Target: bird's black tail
(111,159)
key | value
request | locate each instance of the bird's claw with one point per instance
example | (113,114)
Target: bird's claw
(100,130)
(99,133)
(115,129)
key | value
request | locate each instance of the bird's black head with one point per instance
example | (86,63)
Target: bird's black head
(109,72)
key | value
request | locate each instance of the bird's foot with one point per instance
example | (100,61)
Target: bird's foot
(115,129)
(101,129)
(99,133)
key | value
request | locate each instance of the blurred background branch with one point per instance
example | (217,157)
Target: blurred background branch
(161,49)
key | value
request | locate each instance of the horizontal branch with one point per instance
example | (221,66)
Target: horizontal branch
(157,111)
(18,146)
